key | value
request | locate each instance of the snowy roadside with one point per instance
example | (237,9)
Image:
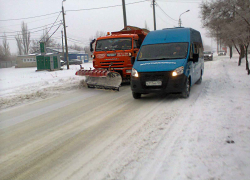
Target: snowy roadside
(205,137)
(23,85)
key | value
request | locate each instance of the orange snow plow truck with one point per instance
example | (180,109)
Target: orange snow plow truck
(112,58)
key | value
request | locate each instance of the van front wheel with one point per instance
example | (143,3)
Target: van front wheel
(136,95)
(185,93)
(199,81)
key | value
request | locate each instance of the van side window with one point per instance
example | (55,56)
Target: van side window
(200,51)
(196,49)
(191,51)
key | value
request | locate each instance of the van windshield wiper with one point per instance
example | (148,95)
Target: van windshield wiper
(163,58)
(145,59)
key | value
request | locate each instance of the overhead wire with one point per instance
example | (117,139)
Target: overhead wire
(164,20)
(28,17)
(184,1)
(51,26)
(105,7)
(30,29)
(165,12)
(28,22)
(52,33)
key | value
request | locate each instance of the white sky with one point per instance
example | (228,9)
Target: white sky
(84,24)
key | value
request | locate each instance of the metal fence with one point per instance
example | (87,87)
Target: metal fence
(7,64)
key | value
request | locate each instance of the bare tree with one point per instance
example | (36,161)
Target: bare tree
(76,47)
(25,38)
(50,42)
(6,48)
(229,22)
(1,53)
(19,44)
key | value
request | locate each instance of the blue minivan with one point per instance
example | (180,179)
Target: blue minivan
(169,60)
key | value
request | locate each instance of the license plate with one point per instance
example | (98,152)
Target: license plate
(110,55)
(153,83)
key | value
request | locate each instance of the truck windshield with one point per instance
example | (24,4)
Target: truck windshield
(114,44)
(163,51)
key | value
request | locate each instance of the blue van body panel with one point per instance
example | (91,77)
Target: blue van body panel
(172,35)
(160,65)
(161,70)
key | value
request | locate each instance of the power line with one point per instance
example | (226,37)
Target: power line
(29,17)
(184,1)
(53,33)
(166,13)
(30,29)
(163,20)
(105,7)
(51,26)
(27,22)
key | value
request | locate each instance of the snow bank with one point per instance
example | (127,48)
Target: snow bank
(22,85)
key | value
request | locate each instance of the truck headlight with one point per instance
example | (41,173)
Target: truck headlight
(134,73)
(128,71)
(178,71)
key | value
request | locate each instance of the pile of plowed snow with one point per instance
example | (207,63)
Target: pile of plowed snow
(22,85)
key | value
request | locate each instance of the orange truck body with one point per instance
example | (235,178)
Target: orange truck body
(119,60)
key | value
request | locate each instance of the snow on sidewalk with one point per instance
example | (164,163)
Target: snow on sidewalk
(20,85)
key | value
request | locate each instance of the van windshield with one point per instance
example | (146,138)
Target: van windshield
(114,44)
(163,51)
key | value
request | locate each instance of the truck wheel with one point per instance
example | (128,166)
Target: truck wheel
(136,95)
(186,91)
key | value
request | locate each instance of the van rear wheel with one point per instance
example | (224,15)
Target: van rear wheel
(185,93)
(199,80)
(136,95)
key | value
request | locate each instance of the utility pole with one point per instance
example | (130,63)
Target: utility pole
(124,13)
(65,35)
(154,14)
(179,22)
(180,17)
(63,47)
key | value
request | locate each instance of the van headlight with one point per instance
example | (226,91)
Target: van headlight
(178,71)
(134,73)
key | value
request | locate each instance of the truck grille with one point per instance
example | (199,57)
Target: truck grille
(154,76)
(114,63)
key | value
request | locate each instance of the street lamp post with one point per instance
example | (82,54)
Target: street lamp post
(65,36)
(180,17)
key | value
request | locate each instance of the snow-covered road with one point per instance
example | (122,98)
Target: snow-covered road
(100,134)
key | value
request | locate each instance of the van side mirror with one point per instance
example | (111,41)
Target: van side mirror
(195,57)
(132,60)
(91,48)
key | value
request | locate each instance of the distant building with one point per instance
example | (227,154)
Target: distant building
(26,61)
(73,54)
(30,59)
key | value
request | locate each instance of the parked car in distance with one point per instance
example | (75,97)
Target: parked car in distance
(222,53)
(62,62)
(208,55)
(73,61)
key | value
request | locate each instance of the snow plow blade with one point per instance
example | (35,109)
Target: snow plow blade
(101,79)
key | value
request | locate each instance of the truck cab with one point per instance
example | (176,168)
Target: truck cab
(114,51)
(170,61)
